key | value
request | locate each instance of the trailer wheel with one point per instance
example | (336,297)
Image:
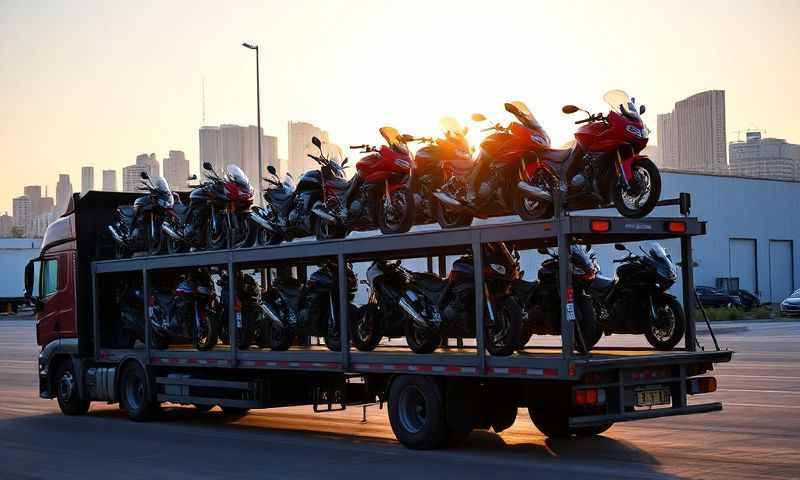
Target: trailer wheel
(416,412)
(591,431)
(135,395)
(554,423)
(69,400)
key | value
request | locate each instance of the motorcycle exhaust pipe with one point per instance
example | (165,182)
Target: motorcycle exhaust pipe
(534,191)
(116,235)
(317,209)
(169,231)
(263,222)
(444,198)
(418,319)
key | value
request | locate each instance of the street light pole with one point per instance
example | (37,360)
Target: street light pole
(258,114)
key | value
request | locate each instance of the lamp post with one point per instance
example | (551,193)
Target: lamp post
(258,114)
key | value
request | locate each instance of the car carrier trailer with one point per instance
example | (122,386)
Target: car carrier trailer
(433,399)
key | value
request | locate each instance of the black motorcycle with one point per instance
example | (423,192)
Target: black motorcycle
(455,304)
(287,212)
(138,226)
(295,309)
(252,324)
(395,308)
(635,300)
(541,299)
(189,313)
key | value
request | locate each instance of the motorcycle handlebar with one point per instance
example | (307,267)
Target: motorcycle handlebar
(359,147)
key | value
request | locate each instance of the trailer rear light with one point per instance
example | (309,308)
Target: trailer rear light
(676,227)
(701,385)
(590,396)
(600,226)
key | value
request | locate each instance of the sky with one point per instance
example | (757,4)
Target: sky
(97,82)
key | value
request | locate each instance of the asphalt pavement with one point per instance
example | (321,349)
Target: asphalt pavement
(755,436)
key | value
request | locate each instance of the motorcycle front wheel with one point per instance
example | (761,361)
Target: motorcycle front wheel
(244,235)
(504,335)
(157,240)
(448,218)
(327,231)
(206,336)
(396,215)
(175,246)
(640,198)
(667,329)
(421,340)
(585,320)
(217,237)
(281,337)
(365,330)
(265,238)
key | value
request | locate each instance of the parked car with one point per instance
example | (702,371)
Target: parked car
(711,297)
(749,299)
(791,305)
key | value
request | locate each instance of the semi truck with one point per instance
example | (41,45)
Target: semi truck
(14,255)
(433,399)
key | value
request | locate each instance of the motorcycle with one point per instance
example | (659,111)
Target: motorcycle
(454,300)
(310,310)
(394,307)
(252,326)
(138,226)
(217,207)
(188,313)
(638,292)
(602,169)
(491,187)
(378,194)
(434,163)
(541,299)
(287,212)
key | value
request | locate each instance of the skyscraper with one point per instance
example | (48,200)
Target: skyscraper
(232,142)
(87,179)
(772,158)
(22,211)
(176,170)
(210,147)
(300,134)
(269,154)
(34,192)
(63,193)
(131,175)
(692,136)
(109,180)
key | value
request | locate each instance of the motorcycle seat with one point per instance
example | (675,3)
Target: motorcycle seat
(556,155)
(126,210)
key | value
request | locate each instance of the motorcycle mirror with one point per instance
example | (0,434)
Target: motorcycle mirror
(192,177)
(642,110)
(144,176)
(208,166)
(569,109)
(478,117)
(511,108)
(344,163)
(272,170)
(317,142)
(619,246)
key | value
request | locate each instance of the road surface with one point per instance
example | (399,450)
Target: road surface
(755,436)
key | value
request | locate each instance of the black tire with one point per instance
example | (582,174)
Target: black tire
(421,340)
(590,431)
(203,407)
(261,333)
(175,246)
(417,412)
(666,331)
(120,251)
(67,391)
(365,330)
(403,200)
(265,238)
(234,412)
(554,423)
(586,320)
(217,239)
(447,218)
(502,417)
(135,395)
(529,209)
(158,342)
(647,171)
(281,337)
(245,235)
(326,231)
(158,243)
(208,336)
(505,336)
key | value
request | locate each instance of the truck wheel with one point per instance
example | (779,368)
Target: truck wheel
(135,395)
(416,412)
(69,400)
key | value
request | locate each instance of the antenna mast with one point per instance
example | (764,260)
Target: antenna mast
(204,100)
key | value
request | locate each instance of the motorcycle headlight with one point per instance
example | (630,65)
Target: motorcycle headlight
(640,133)
(402,163)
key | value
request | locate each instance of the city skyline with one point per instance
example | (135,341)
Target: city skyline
(127,113)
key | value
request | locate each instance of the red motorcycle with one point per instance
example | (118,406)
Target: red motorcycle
(491,187)
(436,162)
(602,169)
(378,194)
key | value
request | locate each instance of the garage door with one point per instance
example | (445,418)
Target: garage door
(743,262)
(780,269)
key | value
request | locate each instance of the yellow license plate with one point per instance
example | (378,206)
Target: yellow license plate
(649,398)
